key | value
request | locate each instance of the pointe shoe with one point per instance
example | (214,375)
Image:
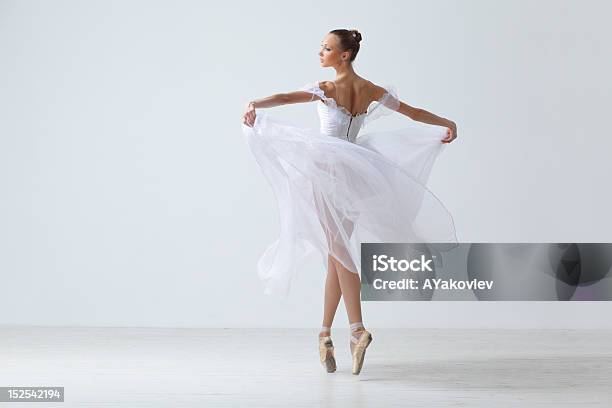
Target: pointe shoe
(326,353)
(358,349)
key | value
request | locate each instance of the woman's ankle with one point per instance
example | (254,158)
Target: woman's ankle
(357,330)
(325,331)
(357,327)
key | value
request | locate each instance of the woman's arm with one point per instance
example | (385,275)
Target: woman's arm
(271,101)
(421,115)
(418,114)
(282,99)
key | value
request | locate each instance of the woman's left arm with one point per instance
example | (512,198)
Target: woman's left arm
(421,115)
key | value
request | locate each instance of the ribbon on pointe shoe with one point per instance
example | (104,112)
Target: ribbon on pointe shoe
(354,327)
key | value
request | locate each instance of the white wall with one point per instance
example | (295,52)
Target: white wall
(128,196)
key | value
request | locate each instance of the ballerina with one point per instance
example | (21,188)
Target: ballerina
(336,188)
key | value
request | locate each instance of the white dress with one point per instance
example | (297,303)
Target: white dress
(337,187)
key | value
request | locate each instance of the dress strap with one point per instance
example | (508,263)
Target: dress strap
(385,105)
(315,89)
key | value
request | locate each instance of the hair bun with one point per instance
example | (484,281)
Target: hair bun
(349,41)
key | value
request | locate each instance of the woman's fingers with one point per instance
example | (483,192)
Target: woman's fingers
(247,121)
(450,136)
(249,118)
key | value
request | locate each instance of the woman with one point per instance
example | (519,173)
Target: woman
(336,192)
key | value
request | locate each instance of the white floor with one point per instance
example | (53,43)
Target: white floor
(112,367)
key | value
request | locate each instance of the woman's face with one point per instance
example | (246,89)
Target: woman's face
(330,54)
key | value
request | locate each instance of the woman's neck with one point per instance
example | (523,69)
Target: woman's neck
(345,72)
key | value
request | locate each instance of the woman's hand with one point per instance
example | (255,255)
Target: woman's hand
(249,115)
(451,132)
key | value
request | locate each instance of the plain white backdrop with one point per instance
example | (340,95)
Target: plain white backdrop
(128,195)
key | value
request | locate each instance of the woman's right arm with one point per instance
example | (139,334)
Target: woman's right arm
(275,100)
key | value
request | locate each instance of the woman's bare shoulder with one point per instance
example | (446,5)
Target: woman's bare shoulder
(328,88)
(362,86)
(376,91)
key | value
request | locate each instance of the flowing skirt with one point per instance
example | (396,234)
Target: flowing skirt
(333,195)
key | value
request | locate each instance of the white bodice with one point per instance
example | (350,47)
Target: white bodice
(337,121)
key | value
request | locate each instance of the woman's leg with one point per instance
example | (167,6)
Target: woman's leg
(350,286)
(332,295)
(340,281)
(332,285)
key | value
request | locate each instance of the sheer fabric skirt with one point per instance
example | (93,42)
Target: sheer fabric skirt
(333,195)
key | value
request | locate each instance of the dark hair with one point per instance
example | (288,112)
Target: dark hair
(349,40)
